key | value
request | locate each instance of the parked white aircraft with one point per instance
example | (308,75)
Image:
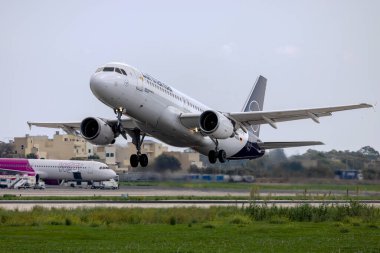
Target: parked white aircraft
(157,109)
(57,169)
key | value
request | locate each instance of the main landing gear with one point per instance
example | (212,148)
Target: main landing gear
(137,139)
(216,154)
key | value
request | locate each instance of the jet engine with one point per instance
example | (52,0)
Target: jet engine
(216,125)
(97,131)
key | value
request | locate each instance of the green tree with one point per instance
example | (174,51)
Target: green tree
(194,169)
(93,157)
(6,149)
(166,162)
(369,152)
(31,156)
(277,156)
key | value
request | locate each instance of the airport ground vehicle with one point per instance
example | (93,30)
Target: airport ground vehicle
(40,185)
(109,184)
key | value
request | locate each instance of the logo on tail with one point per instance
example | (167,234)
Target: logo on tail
(255,101)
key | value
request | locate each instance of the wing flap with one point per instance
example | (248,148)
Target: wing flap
(273,145)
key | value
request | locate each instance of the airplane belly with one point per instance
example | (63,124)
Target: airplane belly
(169,129)
(231,145)
(143,108)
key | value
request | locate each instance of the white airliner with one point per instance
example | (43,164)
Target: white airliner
(57,169)
(158,110)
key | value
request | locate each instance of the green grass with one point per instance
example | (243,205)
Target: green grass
(348,228)
(254,237)
(186,215)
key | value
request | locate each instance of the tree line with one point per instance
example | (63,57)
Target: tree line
(311,164)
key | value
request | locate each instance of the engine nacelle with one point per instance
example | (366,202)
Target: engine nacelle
(216,125)
(97,131)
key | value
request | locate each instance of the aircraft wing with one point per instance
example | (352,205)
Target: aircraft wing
(273,145)
(271,117)
(74,127)
(68,127)
(191,120)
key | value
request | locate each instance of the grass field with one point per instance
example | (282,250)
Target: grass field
(350,228)
(254,237)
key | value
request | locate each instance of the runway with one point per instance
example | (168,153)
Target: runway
(130,191)
(141,191)
(170,191)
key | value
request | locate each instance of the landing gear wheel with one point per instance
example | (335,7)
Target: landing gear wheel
(134,160)
(143,160)
(222,156)
(212,156)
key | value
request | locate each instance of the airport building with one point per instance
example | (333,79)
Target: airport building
(187,158)
(107,154)
(63,147)
(151,148)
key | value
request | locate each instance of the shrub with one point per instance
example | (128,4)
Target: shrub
(240,219)
(208,226)
(68,222)
(172,220)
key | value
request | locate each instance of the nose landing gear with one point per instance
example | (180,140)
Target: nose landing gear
(119,126)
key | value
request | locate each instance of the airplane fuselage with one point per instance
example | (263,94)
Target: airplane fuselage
(58,169)
(156,108)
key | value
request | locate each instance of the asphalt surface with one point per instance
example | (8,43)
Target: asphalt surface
(168,191)
(129,190)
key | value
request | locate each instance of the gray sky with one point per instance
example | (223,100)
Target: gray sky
(314,53)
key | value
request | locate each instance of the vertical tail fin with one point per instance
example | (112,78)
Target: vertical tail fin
(255,101)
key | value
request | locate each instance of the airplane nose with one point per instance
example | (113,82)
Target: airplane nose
(99,83)
(112,174)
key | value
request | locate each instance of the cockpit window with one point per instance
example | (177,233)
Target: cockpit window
(123,71)
(108,69)
(112,69)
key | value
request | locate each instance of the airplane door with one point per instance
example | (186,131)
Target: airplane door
(77,175)
(140,81)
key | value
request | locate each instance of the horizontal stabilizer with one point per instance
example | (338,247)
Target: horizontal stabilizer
(273,145)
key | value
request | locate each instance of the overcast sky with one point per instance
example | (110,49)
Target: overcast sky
(314,53)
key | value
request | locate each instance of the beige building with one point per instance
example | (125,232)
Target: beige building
(187,158)
(151,148)
(106,153)
(59,147)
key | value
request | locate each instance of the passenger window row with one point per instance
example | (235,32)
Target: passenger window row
(112,69)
